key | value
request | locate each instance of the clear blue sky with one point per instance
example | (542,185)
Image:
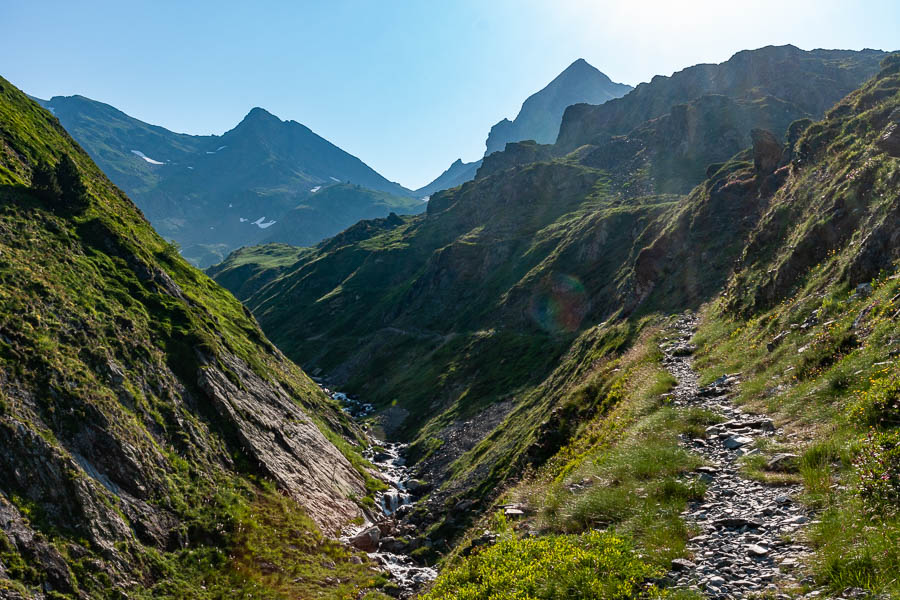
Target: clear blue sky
(406,86)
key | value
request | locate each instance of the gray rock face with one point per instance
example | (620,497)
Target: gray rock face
(542,112)
(275,431)
(767,151)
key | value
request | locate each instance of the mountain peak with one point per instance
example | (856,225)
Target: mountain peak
(541,113)
(260,115)
(580,64)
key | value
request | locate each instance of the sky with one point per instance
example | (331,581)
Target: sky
(408,87)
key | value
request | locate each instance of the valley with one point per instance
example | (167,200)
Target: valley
(645,347)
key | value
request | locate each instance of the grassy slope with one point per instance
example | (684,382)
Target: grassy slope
(84,295)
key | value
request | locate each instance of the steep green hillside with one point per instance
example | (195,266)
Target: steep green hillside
(212,194)
(154,443)
(519,261)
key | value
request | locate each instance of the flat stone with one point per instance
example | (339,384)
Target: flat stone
(735,442)
(757,550)
(682,564)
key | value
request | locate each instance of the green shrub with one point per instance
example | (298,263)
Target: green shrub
(878,468)
(44,183)
(73,191)
(880,404)
(592,565)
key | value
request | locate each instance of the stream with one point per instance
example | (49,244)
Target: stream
(381,535)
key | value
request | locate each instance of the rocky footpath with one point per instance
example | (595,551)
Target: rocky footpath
(746,545)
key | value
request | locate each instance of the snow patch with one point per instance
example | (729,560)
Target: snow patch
(191,168)
(336,179)
(262,223)
(219,149)
(243,220)
(147,158)
(316,189)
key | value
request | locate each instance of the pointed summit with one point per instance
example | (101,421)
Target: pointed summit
(259,115)
(542,112)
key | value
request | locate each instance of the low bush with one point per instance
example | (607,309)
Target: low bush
(593,565)
(878,468)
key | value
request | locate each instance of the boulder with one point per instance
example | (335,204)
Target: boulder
(417,487)
(767,151)
(394,545)
(367,539)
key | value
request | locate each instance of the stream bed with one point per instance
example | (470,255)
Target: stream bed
(382,536)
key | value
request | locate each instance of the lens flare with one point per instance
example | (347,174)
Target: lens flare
(561,304)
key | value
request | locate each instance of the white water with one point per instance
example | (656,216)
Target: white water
(388,460)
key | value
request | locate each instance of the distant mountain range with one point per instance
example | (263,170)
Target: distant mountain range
(213,194)
(538,119)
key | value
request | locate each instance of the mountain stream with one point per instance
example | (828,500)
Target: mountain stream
(381,535)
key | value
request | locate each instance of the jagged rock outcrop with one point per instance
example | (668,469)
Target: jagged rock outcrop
(767,151)
(809,82)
